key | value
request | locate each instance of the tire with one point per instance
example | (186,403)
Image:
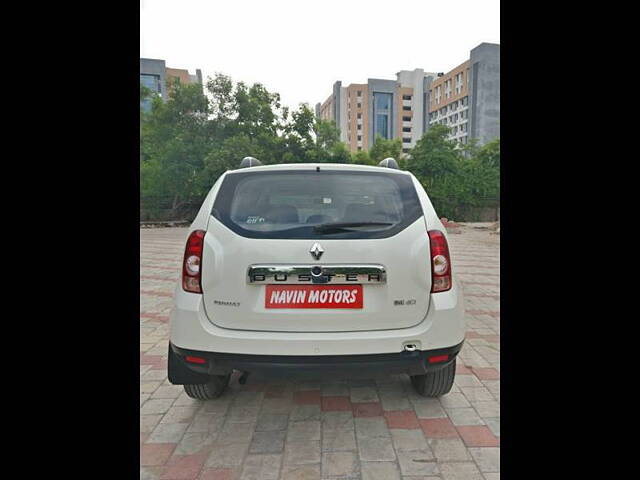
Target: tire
(437,383)
(210,390)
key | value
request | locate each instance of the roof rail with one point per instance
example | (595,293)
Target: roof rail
(250,162)
(389,162)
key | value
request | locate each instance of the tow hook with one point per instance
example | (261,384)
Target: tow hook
(410,347)
(243,378)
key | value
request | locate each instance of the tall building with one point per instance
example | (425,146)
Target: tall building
(467,99)
(389,108)
(154,75)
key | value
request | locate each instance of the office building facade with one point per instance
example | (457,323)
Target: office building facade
(467,99)
(154,75)
(389,108)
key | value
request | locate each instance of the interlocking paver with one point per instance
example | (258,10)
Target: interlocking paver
(371,427)
(373,409)
(478,436)
(402,419)
(227,454)
(337,440)
(301,472)
(218,474)
(303,431)
(460,471)
(330,404)
(299,453)
(272,421)
(380,471)
(438,428)
(464,416)
(340,464)
(155,454)
(194,443)
(268,442)
(313,428)
(337,420)
(183,467)
(149,422)
(408,440)
(417,462)
(449,449)
(487,458)
(376,449)
(364,395)
(306,412)
(261,467)
(167,433)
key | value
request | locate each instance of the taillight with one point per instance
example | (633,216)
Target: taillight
(192,263)
(440,262)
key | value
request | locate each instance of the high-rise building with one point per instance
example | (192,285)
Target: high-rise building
(389,108)
(467,99)
(154,75)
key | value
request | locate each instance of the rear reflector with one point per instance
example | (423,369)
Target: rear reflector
(439,358)
(191,359)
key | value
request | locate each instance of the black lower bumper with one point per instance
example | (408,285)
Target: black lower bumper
(412,363)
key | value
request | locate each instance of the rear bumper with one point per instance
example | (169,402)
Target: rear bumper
(442,327)
(412,363)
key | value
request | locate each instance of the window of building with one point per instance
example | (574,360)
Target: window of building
(406,119)
(152,82)
(359,149)
(359,105)
(406,97)
(382,114)
(359,93)
(359,126)
(406,108)
(359,116)
(405,150)
(359,138)
(406,140)
(406,129)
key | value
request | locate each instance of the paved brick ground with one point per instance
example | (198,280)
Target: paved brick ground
(321,428)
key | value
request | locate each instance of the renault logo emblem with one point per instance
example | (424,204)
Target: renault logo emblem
(316,251)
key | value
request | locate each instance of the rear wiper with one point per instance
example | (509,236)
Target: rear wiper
(338,226)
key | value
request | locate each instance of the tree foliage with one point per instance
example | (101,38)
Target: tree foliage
(456,176)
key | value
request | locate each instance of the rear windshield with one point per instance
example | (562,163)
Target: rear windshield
(312,205)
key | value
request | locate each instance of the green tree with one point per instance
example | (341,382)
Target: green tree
(173,143)
(383,148)
(362,158)
(489,154)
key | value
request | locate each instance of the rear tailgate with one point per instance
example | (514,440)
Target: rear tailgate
(233,301)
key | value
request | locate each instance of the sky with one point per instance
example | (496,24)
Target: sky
(299,48)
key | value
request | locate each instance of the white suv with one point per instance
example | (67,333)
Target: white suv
(328,267)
